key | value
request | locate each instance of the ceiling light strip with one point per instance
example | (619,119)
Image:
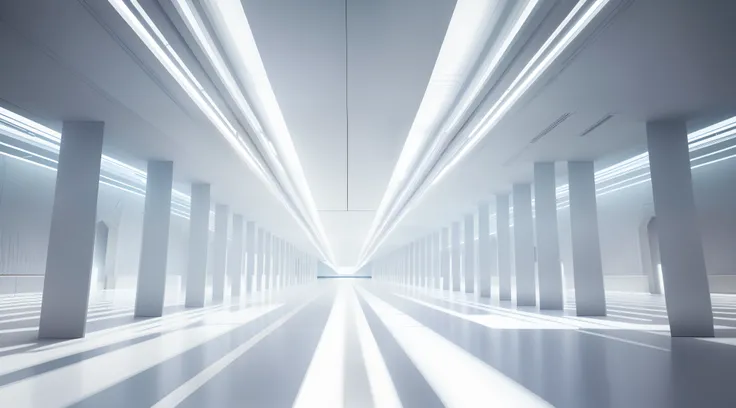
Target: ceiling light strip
(199,97)
(238,38)
(467,34)
(524,81)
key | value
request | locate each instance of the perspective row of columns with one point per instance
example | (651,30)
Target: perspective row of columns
(245,252)
(435,261)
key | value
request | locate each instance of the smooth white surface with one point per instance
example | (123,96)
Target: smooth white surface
(472,384)
(324,382)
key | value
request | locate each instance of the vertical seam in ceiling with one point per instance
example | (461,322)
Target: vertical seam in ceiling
(347,118)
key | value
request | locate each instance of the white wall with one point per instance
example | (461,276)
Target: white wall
(622,213)
(26,200)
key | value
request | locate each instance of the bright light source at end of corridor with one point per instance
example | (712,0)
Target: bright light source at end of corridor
(346,270)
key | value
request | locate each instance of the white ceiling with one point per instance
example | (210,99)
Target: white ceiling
(349,98)
(655,58)
(381,66)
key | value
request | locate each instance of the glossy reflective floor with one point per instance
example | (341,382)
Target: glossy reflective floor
(363,344)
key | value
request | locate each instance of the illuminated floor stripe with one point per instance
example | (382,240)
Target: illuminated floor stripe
(180,394)
(571,323)
(99,339)
(75,382)
(91,314)
(382,387)
(457,377)
(323,385)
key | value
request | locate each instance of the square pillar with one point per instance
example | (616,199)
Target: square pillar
(686,289)
(422,262)
(277,272)
(590,296)
(261,260)
(445,258)
(469,258)
(268,262)
(199,230)
(235,256)
(455,256)
(251,256)
(289,264)
(526,285)
(548,247)
(68,275)
(299,266)
(411,264)
(416,266)
(406,273)
(296,266)
(503,236)
(436,267)
(429,260)
(151,286)
(484,251)
(222,221)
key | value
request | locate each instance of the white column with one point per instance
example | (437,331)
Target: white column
(268,274)
(285,264)
(294,265)
(251,255)
(427,261)
(436,260)
(422,262)
(297,267)
(277,263)
(151,285)
(235,256)
(199,230)
(289,265)
(222,221)
(503,236)
(445,257)
(260,267)
(548,247)
(590,297)
(484,250)
(72,234)
(412,265)
(526,285)
(469,258)
(455,266)
(686,289)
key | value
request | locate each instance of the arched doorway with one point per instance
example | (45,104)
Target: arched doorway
(99,257)
(651,261)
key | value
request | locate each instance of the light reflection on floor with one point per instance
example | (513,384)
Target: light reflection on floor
(469,351)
